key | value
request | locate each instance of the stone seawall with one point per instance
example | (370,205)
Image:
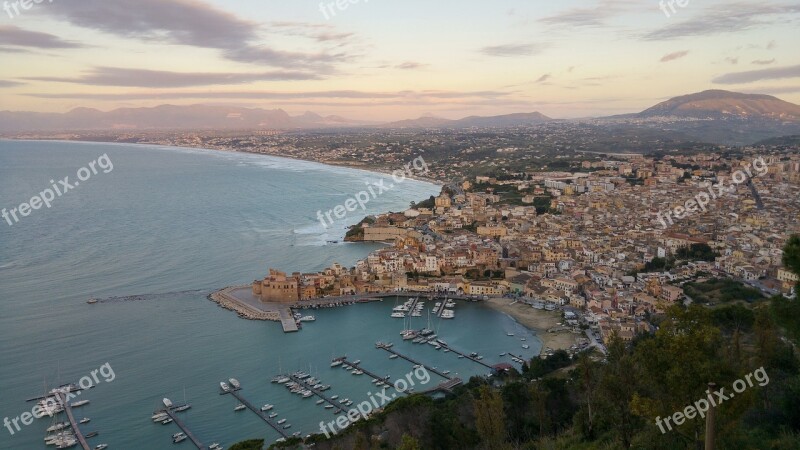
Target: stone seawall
(245,311)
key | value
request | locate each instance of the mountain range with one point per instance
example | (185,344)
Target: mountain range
(712,116)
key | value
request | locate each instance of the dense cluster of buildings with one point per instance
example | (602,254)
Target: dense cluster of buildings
(589,251)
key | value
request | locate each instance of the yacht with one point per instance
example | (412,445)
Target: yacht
(101,447)
(334,397)
(287,426)
(239,407)
(398,315)
(267,407)
(503,354)
(215,446)
(177,435)
(328,406)
(283,379)
(336,363)
(167,402)
(166,421)
(235,383)
(392,356)
(409,334)
(224,386)
(358,372)
(179,439)
(281,422)
(160,417)
(58,427)
(273,415)
(307,394)
(526,346)
(320,401)
(509,334)
(356,362)
(85,420)
(79,403)
(308,319)
(183,408)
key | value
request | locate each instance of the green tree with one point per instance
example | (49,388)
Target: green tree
(409,443)
(490,419)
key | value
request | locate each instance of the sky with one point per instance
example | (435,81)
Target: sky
(385,60)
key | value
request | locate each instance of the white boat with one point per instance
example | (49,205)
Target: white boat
(79,403)
(283,379)
(320,401)
(307,394)
(167,402)
(183,408)
(177,435)
(281,422)
(336,363)
(287,426)
(267,407)
(273,415)
(398,315)
(166,421)
(235,383)
(358,372)
(356,362)
(85,420)
(509,334)
(224,386)
(334,397)
(179,439)
(308,319)
(526,346)
(239,407)
(328,406)
(392,356)
(101,447)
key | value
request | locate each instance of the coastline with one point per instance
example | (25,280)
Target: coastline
(536,320)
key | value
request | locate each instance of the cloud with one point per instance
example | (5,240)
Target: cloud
(732,60)
(763,62)
(513,50)
(410,65)
(543,78)
(11,35)
(758,75)
(587,17)
(726,18)
(8,83)
(675,55)
(772,90)
(266,95)
(184,22)
(115,76)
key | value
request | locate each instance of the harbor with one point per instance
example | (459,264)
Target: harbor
(358,370)
(235,392)
(76,430)
(388,348)
(337,407)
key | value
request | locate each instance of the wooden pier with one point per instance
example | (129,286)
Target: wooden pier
(337,406)
(345,362)
(75,429)
(259,413)
(185,429)
(414,361)
(472,358)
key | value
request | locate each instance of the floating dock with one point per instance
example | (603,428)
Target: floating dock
(259,413)
(75,429)
(414,361)
(345,362)
(185,429)
(472,358)
(337,406)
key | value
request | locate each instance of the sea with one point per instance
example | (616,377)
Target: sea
(151,238)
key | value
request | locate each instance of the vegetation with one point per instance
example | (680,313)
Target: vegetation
(252,444)
(721,290)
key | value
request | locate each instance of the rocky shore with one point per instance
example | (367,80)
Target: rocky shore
(224,300)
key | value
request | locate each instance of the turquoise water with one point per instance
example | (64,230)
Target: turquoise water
(167,221)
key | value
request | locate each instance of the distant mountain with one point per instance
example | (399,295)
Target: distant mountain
(167,117)
(718,104)
(504,121)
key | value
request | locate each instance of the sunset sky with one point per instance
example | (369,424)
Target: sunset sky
(394,59)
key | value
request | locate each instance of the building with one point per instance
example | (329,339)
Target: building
(277,288)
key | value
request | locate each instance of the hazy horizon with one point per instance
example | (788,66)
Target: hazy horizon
(381,61)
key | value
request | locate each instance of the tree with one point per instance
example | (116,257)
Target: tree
(490,418)
(409,443)
(791,257)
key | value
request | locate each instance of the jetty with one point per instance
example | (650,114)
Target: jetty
(347,363)
(471,358)
(318,393)
(185,429)
(414,361)
(235,392)
(62,398)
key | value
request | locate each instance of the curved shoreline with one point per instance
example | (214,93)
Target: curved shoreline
(538,321)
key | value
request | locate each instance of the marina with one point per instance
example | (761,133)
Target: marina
(336,406)
(170,411)
(472,357)
(234,391)
(414,361)
(357,366)
(76,430)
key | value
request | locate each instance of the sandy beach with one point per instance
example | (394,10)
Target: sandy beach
(536,320)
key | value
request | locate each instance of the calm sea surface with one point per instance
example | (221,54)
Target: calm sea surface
(172,225)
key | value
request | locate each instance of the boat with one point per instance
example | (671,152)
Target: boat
(92,434)
(101,447)
(320,401)
(281,422)
(287,426)
(177,435)
(328,406)
(274,380)
(334,397)
(358,372)
(85,420)
(166,421)
(307,394)
(336,363)
(167,402)
(509,334)
(503,354)
(398,315)
(215,446)
(523,339)
(224,386)
(235,383)
(283,379)
(267,407)
(526,346)
(179,439)
(79,403)
(183,408)
(239,407)
(273,415)
(91,301)
(392,356)
(356,362)
(308,319)
(58,426)
(159,418)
